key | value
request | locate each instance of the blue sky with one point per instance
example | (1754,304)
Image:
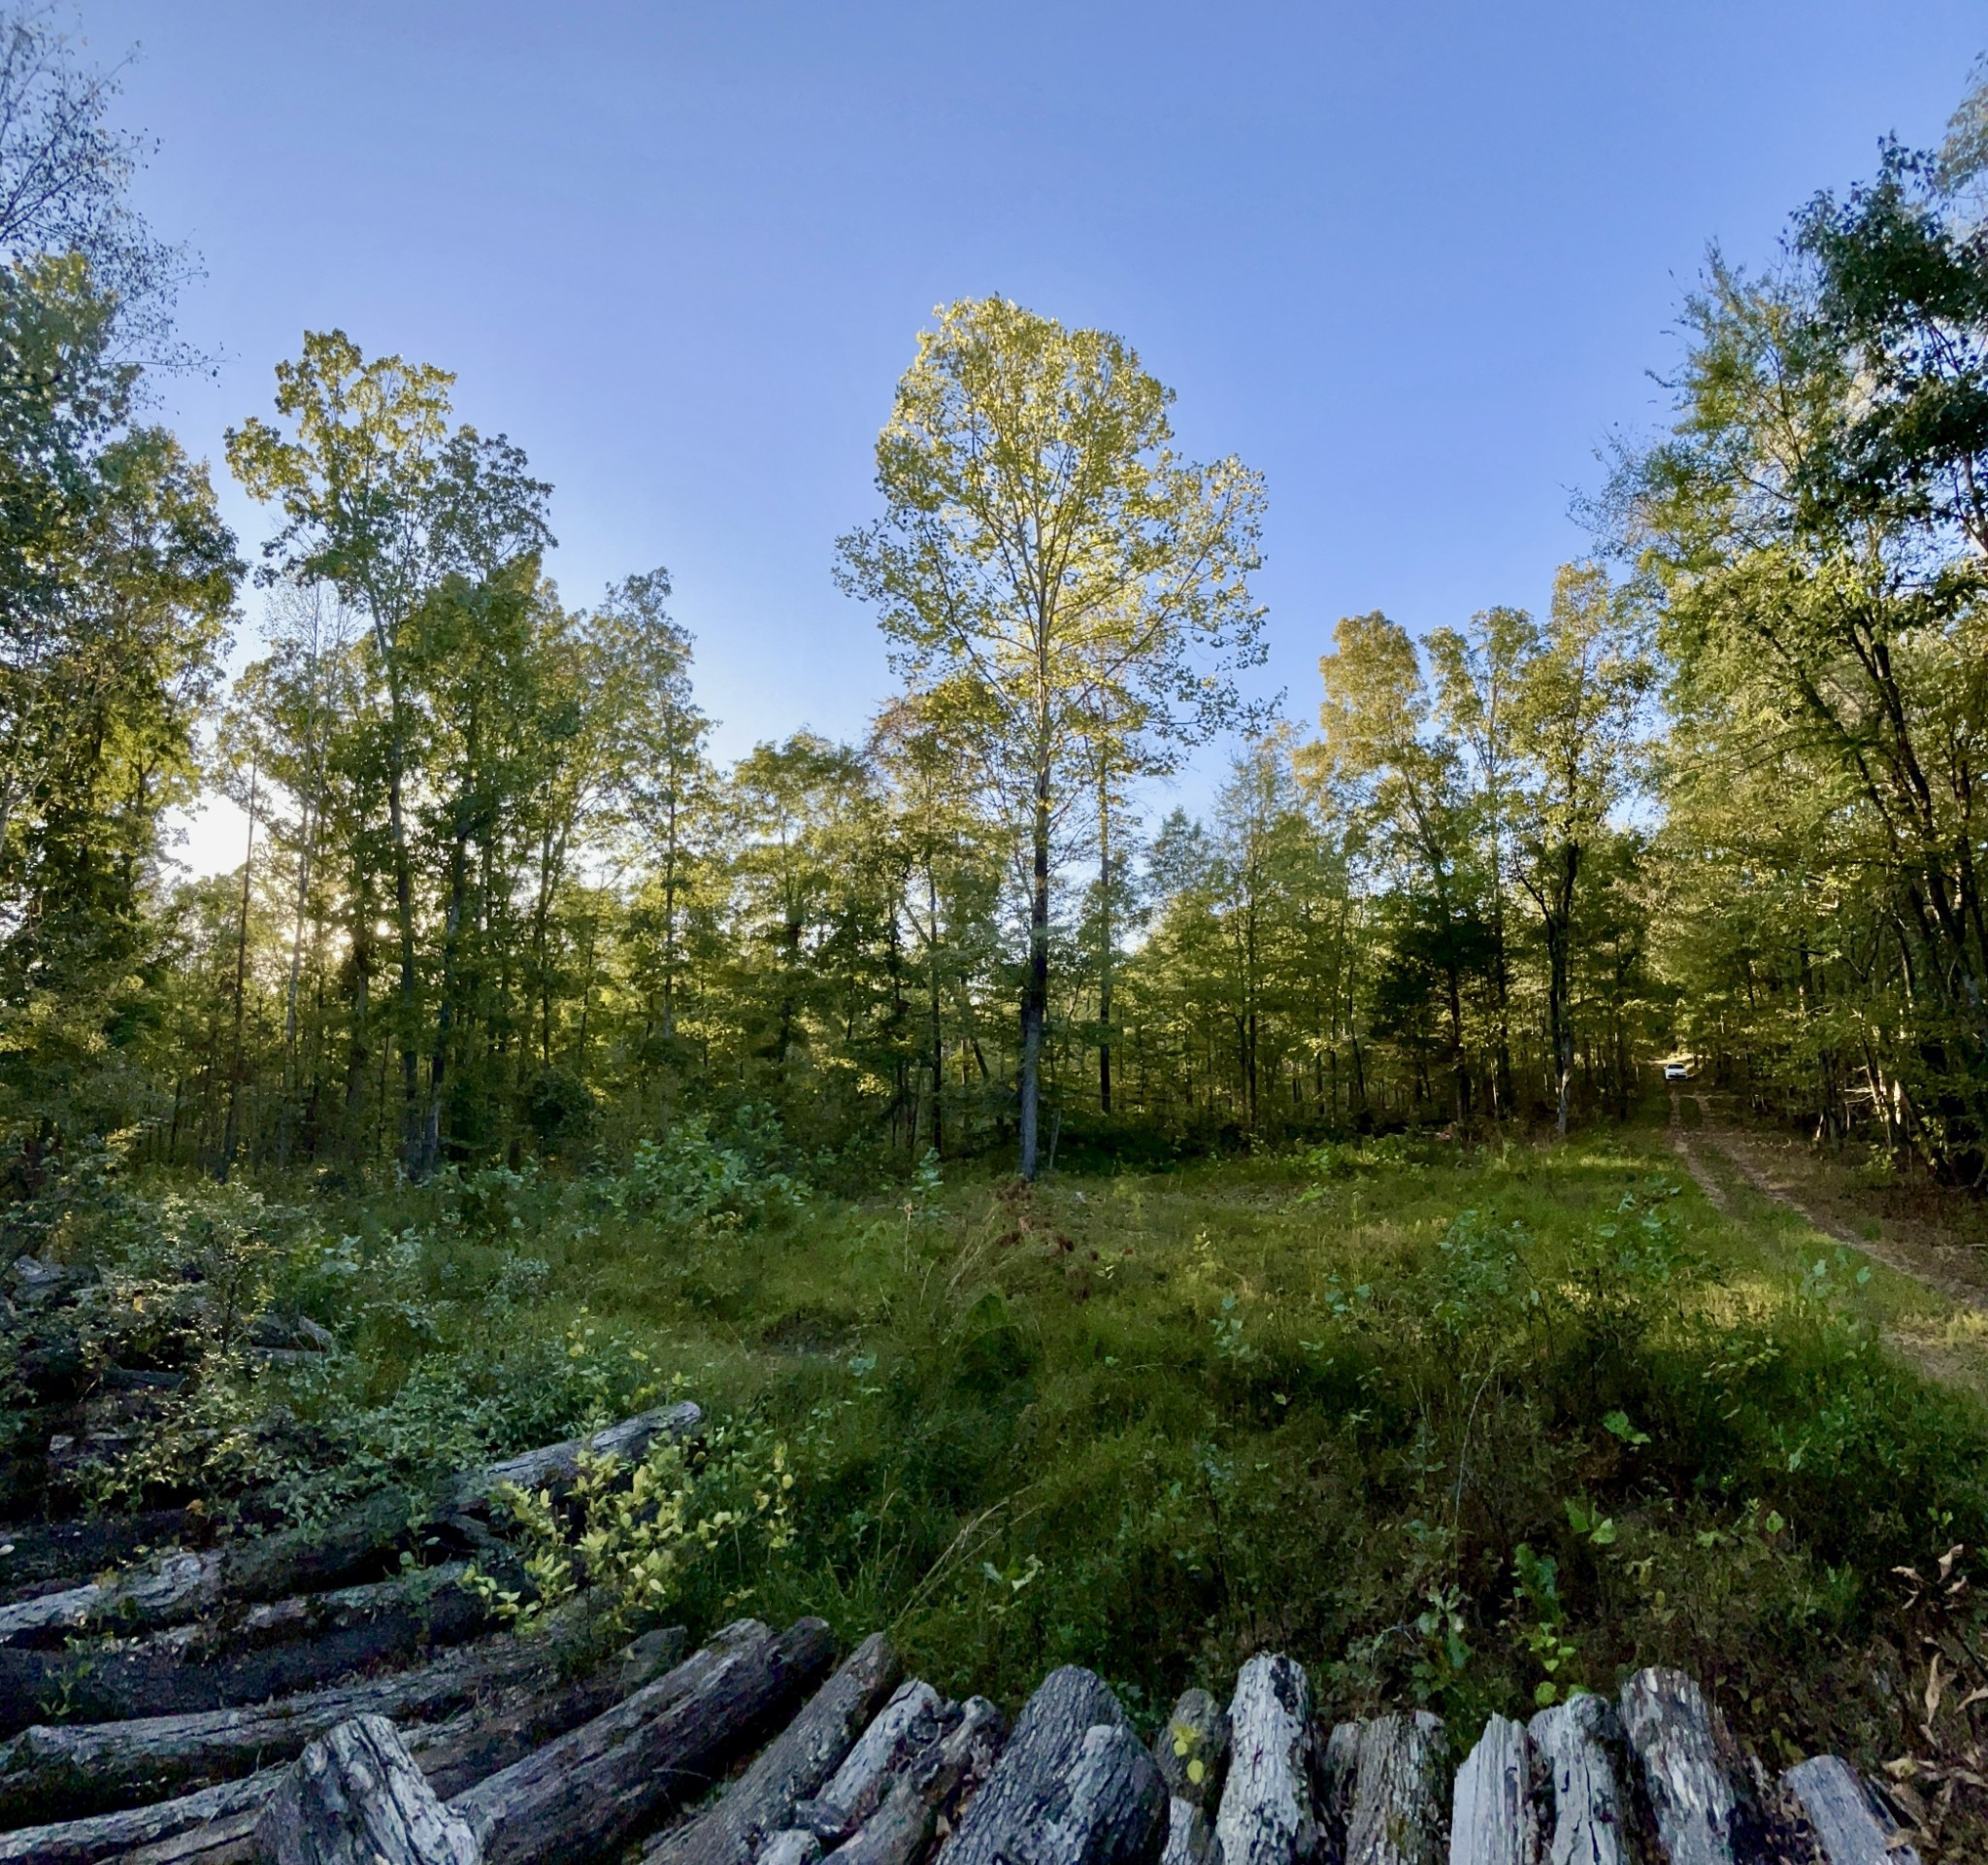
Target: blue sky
(1412,263)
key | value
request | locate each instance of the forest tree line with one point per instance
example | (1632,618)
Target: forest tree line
(497,898)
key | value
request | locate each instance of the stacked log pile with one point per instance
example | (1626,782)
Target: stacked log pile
(278,1701)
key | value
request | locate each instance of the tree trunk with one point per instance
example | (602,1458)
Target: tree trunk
(795,1768)
(1846,1824)
(354,1797)
(1105,946)
(1397,1816)
(1499,1800)
(229,1810)
(99,1767)
(1034,994)
(1268,1815)
(906,1726)
(1705,1809)
(940,1780)
(1073,1786)
(1580,1742)
(591,1791)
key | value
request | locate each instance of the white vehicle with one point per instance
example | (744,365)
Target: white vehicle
(1678,1070)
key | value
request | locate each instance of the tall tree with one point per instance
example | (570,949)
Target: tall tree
(1576,706)
(1046,560)
(380,498)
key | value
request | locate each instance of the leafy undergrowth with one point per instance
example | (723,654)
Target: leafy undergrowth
(1464,1427)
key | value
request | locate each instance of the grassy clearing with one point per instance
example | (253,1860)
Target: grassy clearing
(1462,1428)
(1466,1427)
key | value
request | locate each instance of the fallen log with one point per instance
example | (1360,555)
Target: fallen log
(1496,1815)
(1339,1771)
(457,1754)
(85,1841)
(903,1728)
(268,1653)
(1192,1749)
(1073,1786)
(1847,1827)
(1268,1815)
(557,1466)
(1578,1742)
(354,1797)
(33,1556)
(79,1768)
(1397,1816)
(351,1546)
(217,1825)
(934,1788)
(611,1776)
(794,1767)
(1699,1794)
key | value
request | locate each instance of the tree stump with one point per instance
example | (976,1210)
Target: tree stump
(1192,1748)
(1268,1815)
(354,1797)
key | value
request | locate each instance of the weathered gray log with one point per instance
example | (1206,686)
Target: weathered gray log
(354,1797)
(1579,1741)
(793,1768)
(557,1466)
(499,1732)
(1696,1780)
(1073,1786)
(1397,1817)
(931,1790)
(1495,1815)
(903,1728)
(215,1825)
(84,1841)
(200,1667)
(1339,1771)
(1846,1825)
(611,1776)
(1192,1748)
(1189,1840)
(180,1584)
(80,1768)
(1268,1815)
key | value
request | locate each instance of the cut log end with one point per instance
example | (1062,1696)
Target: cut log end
(354,1797)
